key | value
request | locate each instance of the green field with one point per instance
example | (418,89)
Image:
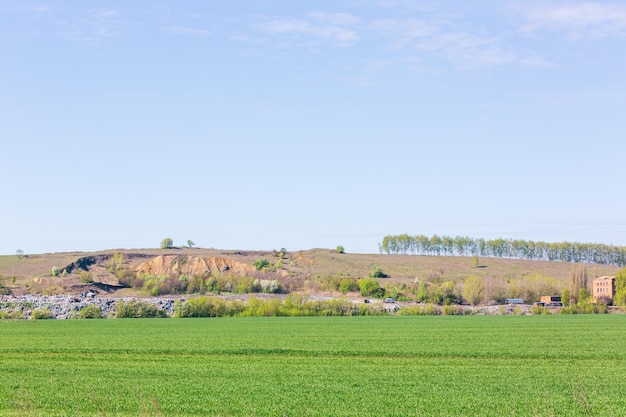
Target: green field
(336,366)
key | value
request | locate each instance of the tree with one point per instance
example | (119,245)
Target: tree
(340,249)
(578,279)
(620,288)
(167,243)
(190,243)
(371,287)
(473,290)
(19,253)
(422,295)
(565,296)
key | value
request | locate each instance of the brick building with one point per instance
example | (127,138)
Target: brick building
(603,288)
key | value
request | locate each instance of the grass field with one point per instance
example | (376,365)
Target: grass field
(336,366)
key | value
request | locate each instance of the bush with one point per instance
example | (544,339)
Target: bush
(268,286)
(378,273)
(167,243)
(90,311)
(125,277)
(54,272)
(117,261)
(420,310)
(15,314)
(171,285)
(371,287)
(207,307)
(569,310)
(340,249)
(347,285)
(537,310)
(197,285)
(261,263)
(4,290)
(85,277)
(41,314)
(451,310)
(137,309)
(585,308)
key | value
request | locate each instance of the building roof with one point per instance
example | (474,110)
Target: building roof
(605,278)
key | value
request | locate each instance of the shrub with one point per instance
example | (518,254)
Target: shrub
(85,277)
(571,309)
(167,243)
(340,249)
(167,285)
(54,272)
(116,262)
(420,310)
(4,290)
(451,310)
(347,285)
(197,285)
(15,314)
(137,309)
(90,311)
(125,277)
(261,263)
(41,314)
(378,273)
(537,310)
(151,288)
(269,286)
(371,287)
(207,307)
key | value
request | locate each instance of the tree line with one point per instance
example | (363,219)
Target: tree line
(592,253)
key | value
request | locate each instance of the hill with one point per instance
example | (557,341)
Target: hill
(312,271)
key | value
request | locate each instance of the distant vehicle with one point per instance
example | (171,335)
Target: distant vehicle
(514,301)
(555,304)
(390,300)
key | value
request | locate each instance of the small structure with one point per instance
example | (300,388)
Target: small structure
(551,300)
(603,288)
(514,301)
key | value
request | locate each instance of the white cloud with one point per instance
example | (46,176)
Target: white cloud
(404,32)
(338,19)
(183,30)
(462,49)
(320,26)
(37,9)
(579,20)
(93,26)
(430,36)
(104,13)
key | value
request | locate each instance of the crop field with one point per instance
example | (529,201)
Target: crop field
(315,366)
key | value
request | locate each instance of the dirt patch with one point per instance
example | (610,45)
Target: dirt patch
(194,265)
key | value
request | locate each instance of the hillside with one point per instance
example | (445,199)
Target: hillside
(302,270)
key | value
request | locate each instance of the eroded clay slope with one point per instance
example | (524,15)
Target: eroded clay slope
(193,265)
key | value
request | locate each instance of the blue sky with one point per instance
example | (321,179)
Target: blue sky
(269,124)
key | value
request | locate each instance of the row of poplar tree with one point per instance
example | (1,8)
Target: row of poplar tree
(405,244)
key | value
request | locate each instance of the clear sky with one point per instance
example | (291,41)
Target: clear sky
(248,124)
